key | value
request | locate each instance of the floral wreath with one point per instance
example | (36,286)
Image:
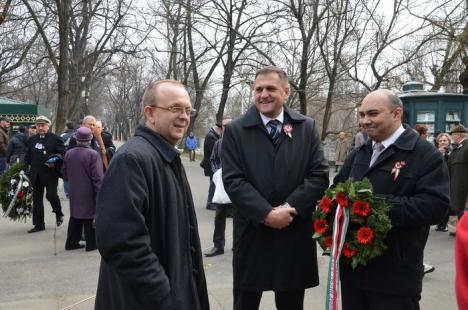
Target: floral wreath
(368,221)
(16,193)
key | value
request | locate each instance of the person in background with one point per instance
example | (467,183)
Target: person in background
(360,138)
(418,192)
(146,225)
(219,238)
(274,171)
(443,143)
(210,139)
(44,175)
(66,136)
(17,147)
(106,138)
(458,167)
(31,130)
(421,130)
(191,144)
(83,169)
(341,150)
(4,140)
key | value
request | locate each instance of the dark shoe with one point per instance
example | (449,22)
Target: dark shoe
(36,229)
(211,207)
(74,247)
(452,234)
(441,228)
(214,251)
(59,220)
(91,249)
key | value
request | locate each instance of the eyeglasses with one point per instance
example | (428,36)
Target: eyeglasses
(178,110)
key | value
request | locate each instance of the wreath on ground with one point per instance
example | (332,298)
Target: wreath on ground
(16,193)
(364,222)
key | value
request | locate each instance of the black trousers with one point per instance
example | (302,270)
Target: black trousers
(288,300)
(192,155)
(38,201)
(75,229)
(358,299)
(219,238)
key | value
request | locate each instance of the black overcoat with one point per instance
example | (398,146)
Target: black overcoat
(211,137)
(147,232)
(458,167)
(259,176)
(419,197)
(37,154)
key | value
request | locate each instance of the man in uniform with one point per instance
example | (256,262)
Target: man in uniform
(44,152)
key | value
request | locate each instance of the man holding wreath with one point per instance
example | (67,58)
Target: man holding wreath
(409,173)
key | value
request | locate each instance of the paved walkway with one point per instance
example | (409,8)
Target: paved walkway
(36,273)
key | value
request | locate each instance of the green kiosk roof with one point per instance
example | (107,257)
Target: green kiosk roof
(21,112)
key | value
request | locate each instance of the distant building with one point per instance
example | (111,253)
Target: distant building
(439,111)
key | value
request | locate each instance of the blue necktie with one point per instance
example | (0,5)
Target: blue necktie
(273,130)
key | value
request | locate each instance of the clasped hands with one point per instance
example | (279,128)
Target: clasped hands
(280,217)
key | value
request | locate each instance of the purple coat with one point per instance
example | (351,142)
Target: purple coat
(83,169)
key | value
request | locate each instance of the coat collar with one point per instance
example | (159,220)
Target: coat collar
(167,151)
(252,117)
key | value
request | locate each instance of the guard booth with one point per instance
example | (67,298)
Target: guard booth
(438,111)
(20,113)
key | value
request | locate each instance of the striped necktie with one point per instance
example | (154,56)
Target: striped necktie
(378,148)
(273,130)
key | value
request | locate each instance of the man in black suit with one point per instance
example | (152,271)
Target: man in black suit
(410,174)
(274,172)
(44,171)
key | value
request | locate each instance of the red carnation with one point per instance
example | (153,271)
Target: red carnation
(341,199)
(361,208)
(328,242)
(20,195)
(347,251)
(325,204)
(320,226)
(365,235)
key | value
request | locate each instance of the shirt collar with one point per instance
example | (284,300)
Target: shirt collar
(390,140)
(266,119)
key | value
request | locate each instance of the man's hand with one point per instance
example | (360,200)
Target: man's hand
(280,217)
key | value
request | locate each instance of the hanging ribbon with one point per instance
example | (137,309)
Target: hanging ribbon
(22,177)
(340,227)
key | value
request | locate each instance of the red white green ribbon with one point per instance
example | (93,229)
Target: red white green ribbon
(340,227)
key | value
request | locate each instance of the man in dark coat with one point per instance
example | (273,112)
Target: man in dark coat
(146,226)
(458,165)
(210,139)
(274,172)
(4,138)
(41,148)
(410,174)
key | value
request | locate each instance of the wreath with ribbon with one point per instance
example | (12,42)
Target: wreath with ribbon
(350,225)
(16,193)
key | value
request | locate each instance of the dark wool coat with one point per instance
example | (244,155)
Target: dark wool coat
(419,198)
(458,165)
(83,169)
(211,137)
(38,152)
(147,232)
(259,176)
(17,148)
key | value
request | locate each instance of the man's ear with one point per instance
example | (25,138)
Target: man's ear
(398,113)
(148,113)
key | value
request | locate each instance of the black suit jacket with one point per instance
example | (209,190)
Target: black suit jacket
(38,152)
(259,175)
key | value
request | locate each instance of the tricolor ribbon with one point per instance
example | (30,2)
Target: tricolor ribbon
(340,227)
(396,169)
